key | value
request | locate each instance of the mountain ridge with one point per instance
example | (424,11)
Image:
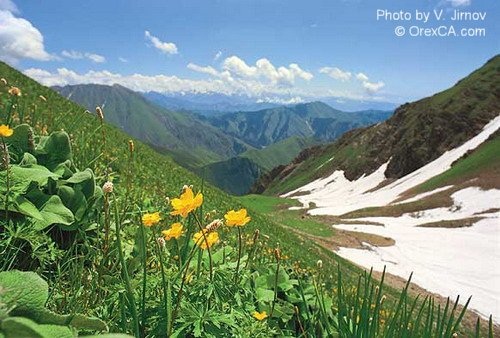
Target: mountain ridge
(169,131)
(416,134)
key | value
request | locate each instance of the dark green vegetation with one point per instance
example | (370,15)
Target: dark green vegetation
(190,141)
(238,174)
(309,120)
(111,267)
(231,150)
(416,134)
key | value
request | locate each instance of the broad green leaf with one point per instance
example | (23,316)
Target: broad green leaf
(54,212)
(17,327)
(64,169)
(81,176)
(22,177)
(54,149)
(264,295)
(77,321)
(25,292)
(28,160)
(109,335)
(25,207)
(74,200)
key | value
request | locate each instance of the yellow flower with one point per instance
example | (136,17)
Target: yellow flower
(14,91)
(186,203)
(200,240)
(237,218)
(151,219)
(175,231)
(5,131)
(260,315)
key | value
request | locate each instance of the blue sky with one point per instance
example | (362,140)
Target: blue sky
(273,50)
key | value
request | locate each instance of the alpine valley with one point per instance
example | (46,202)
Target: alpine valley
(229,149)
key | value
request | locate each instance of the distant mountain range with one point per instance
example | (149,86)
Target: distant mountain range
(230,149)
(308,120)
(207,104)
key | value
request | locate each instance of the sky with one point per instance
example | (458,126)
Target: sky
(281,51)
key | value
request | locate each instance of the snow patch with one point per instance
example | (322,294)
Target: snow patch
(336,195)
(443,260)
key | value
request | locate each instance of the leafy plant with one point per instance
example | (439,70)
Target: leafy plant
(23,314)
(42,186)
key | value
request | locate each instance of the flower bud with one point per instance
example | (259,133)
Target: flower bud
(277,254)
(107,188)
(214,225)
(319,264)
(99,112)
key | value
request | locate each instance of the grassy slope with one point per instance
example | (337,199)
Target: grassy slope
(157,176)
(279,153)
(417,133)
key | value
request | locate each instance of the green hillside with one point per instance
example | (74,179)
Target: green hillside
(278,153)
(190,141)
(416,134)
(308,120)
(100,252)
(238,174)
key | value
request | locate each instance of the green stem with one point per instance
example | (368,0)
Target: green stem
(275,286)
(207,244)
(144,281)
(7,178)
(239,255)
(164,281)
(126,277)
(181,289)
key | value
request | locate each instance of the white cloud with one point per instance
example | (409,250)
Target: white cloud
(72,54)
(217,55)
(262,81)
(370,87)
(95,57)
(222,82)
(121,59)
(200,69)
(336,73)
(75,55)
(373,87)
(164,47)
(19,39)
(265,69)
(239,67)
(361,77)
